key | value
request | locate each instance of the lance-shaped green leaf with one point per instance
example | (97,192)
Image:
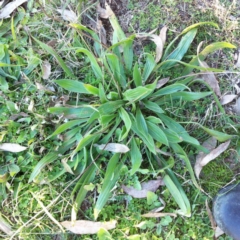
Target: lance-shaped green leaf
(49,158)
(97,41)
(148,67)
(110,107)
(220,136)
(139,126)
(156,132)
(75,86)
(176,127)
(178,195)
(95,67)
(115,67)
(172,136)
(110,179)
(181,49)
(136,156)
(137,78)
(85,179)
(79,112)
(153,106)
(50,50)
(128,53)
(204,53)
(63,127)
(127,122)
(139,93)
(185,96)
(102,94)
(87,139)
(169,90)
(167,51)
(182,155)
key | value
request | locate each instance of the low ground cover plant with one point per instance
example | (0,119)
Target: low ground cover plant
(121,124)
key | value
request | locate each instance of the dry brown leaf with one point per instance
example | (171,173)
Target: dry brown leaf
(227,99)
(162,82)
(16,116)
(12,147)
(104,13)
(113,147)
(210,78)
(203,159)
(159,46)
(68,15)
(87,227)
(218,232)
(150,186)
(156,215)
(10,7)
(46,68)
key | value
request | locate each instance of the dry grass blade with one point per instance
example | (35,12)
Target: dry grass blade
(237,106)
(151,185)
(88,227)
(12,147)
(210,215)
(10,7)
(203,159)
(210,79)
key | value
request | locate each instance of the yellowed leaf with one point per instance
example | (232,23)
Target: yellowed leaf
(156,215)
(87,227)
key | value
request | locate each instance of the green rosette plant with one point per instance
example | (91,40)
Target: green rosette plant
(125,114)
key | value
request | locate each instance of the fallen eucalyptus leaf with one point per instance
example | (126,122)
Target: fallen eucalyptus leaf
(163,34)
(162,82)
(10,7)
(151,186)
(203,159)
(46,68)
(12,147)
(156,215)
(113,147)
(210,79)
(87,227)
(68,15)
(227,99)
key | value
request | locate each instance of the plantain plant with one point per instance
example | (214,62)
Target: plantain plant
(125,114)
